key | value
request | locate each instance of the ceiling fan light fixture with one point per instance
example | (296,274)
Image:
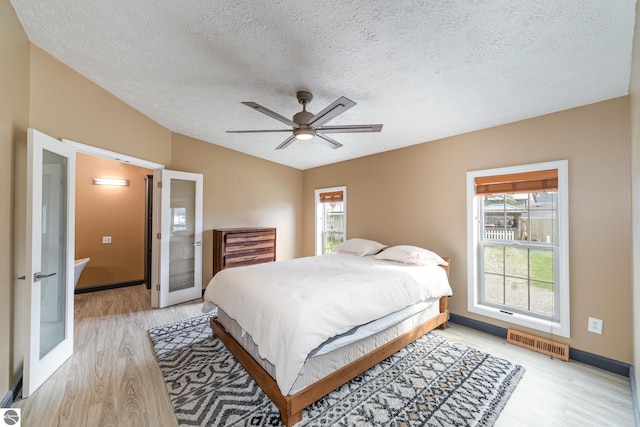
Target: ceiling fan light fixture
(306,124)
(304,134)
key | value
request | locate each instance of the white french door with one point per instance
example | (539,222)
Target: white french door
(177,223)
(49,258)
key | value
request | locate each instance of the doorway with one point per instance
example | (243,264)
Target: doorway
(113,223)
(148,232)
(51,172)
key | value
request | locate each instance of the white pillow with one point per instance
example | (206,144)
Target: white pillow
(411,255)
(360,247)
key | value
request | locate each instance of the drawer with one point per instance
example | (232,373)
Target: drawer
(256,236)
(245,242)
(247,247)
(248,258)
(236,247)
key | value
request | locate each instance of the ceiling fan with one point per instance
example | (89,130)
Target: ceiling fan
(306,125)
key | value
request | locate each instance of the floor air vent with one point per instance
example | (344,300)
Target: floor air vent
(541,345)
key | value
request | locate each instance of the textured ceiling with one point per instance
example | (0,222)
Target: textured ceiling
(426,69)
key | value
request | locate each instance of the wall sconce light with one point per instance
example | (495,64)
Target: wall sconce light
(109,181)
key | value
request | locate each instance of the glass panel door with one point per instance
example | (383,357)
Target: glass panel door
(53,283)
(177,269)
(49,262)
(182,234)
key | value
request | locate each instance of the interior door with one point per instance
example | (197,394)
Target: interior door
(177,223)
(49,258)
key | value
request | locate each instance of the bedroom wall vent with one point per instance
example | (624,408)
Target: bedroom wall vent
(541,345)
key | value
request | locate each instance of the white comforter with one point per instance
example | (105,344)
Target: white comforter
(291,307)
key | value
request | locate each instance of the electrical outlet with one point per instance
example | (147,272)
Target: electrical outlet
(595,325)
(106,239)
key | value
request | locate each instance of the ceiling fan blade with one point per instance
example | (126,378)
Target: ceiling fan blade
(286,142)
(349,128)
(272,114)
(329,141)
(256,131)
(338,106)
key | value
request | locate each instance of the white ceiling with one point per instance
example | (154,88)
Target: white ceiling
(426,69)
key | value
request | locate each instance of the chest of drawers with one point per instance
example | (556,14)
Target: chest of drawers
(235,247)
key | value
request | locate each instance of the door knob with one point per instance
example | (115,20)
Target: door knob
(38,276)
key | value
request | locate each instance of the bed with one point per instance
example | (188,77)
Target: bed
(303,327)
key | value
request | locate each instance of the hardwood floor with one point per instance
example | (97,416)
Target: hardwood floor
(554,393)
(113,379)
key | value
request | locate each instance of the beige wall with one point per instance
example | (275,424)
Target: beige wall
(14,115)
(417,195)
(118,212)
(64,104)
(414,195)
(243,191)
(635,194)
(40,92)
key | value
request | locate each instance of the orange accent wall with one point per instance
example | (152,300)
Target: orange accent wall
(118,212)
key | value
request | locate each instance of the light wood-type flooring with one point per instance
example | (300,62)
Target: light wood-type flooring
(113,379)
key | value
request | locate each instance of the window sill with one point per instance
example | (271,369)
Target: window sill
(556,328)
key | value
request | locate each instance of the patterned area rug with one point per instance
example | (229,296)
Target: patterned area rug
(432,382)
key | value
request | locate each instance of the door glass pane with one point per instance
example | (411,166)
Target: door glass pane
(53,295)
(182,237)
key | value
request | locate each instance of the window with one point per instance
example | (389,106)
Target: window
(331,218)
(178,219)
(518,245)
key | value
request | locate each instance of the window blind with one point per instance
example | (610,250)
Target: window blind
(526,182)
(331,197)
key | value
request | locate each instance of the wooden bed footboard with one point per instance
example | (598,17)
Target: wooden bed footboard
(291,406)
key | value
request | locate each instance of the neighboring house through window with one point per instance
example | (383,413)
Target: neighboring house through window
(518,245)
(331,218)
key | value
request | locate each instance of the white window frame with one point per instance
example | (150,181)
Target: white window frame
(560,326)
(318,214)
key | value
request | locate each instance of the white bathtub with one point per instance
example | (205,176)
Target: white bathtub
(79,265)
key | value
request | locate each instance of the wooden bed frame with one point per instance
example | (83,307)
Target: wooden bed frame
(291,406)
